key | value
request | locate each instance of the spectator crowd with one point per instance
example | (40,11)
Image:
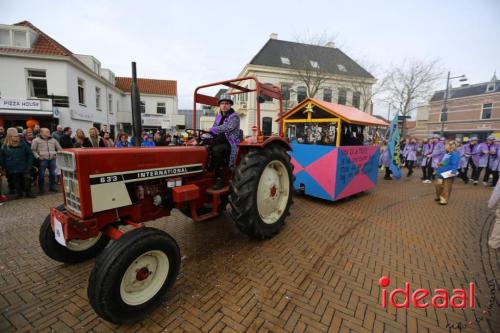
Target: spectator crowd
(27,154)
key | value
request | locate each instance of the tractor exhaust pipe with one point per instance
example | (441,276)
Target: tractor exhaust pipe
(136,108)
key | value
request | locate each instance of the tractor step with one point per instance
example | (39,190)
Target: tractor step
(223,190)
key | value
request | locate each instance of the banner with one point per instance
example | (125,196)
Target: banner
(394,149)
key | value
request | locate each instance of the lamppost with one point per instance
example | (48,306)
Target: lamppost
(444,110)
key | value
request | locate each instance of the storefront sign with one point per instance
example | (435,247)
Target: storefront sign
(20,104)
(153,120)
(81,115)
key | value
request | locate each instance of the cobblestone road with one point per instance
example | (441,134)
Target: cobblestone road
(319,274)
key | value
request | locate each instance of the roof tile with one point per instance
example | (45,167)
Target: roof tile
(148,86)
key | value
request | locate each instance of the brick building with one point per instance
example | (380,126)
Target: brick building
(472,110)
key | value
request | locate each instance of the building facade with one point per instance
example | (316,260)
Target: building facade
(280,62)
(473,110)
(44,81)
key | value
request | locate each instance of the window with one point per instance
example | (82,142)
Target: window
(285,61)
(301,94)
(37,83)
(4,37)
(341,68)
(110,103)
(20,39)
(267,126)
(487,108)
(490,87)
(285,92)
(356,98)
(327,95)
(161,108)
(314,64)
(98,98)
(342,96)
(143,107)
(81,92)
(97,67)
(267,98)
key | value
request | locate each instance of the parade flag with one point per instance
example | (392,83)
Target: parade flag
(394,148)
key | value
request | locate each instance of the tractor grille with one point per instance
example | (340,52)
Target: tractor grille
(66,162)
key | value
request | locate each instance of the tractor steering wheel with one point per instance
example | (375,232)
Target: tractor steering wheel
(203,138)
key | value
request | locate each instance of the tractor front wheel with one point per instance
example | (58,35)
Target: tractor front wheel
(261,192)
(75,251)
(133,275)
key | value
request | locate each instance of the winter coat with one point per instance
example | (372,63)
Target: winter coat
(66,142)
(16,159)
(45,149)
(465,155)
(231,129)
(493,163)
(410,152)
(449,162)
(437,153)
(148,144)
(87,143)
(385,158)
(482,151)
(426,150)
(120,144)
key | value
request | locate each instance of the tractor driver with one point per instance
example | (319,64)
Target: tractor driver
(226,130)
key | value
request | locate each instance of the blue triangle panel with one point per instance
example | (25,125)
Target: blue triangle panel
(346,171)
(306,154)
(370,169)
(312,188)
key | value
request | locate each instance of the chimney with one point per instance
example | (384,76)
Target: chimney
(273,35)
(330,44)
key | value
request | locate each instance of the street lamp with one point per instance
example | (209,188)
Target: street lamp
(444,110)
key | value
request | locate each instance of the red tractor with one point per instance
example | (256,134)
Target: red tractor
(107,189)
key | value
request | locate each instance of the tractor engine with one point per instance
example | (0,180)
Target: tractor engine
(99,180)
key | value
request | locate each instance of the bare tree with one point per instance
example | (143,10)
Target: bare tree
(307,70)
(410,84)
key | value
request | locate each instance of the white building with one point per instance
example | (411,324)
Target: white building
(278,62)
(43,80)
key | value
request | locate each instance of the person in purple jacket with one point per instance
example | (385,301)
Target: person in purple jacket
(385,160)
(446,172)
(426,160)
(496,164)
(465,156)
(226,129)
(410,153)
(438,152)
(491,159)
(480,158)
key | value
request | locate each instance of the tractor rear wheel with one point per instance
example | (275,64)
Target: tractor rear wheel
(75,250)
(133,275)
(261,192)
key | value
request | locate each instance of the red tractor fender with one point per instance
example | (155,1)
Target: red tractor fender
(248,144)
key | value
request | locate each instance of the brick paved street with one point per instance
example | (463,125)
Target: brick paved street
(319,274)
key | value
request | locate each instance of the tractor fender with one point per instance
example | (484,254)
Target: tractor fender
(247,144)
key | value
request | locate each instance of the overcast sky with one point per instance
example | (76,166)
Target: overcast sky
(196,42)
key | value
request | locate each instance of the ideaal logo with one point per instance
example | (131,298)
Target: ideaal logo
(440,299)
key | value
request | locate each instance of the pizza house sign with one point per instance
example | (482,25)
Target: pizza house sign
(20,104)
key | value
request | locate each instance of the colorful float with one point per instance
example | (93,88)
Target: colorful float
(331,160)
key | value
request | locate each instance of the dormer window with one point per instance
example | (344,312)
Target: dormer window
(285,61)
(341,68)
(314,64)
(17,37)
(490,87)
